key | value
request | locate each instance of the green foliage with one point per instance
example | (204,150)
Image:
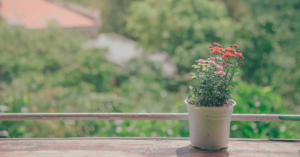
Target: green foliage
(184,29)
(269,37)
(47,71)
(267,32)
(113,13)
(260,101)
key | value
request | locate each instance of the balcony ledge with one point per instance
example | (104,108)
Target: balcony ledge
(130,146)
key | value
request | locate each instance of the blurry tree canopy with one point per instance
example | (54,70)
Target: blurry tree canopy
(270,36)
(266,31)
(113,13)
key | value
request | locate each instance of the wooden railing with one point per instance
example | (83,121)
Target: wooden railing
(139,116)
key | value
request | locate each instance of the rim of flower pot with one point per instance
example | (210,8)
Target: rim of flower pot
(219,107)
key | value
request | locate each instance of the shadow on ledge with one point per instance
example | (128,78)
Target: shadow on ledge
(190,151)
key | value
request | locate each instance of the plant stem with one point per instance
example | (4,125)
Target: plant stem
(232,74)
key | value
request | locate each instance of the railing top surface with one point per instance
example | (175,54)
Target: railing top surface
(143,147)
(138,116)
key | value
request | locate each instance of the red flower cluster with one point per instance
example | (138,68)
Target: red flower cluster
(230,49)
(230,52)
(239,55)
(216,43)
(217,49)
(227,54)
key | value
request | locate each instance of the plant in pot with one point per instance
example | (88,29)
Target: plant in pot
(210,105)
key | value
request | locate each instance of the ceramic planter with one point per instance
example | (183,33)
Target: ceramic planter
(209,126)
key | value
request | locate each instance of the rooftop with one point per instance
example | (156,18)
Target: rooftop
(35,14)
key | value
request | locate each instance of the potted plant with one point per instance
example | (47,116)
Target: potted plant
(210,105)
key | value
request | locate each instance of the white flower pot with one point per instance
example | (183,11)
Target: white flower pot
(209,126)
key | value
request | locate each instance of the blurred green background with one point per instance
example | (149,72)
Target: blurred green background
(49,71)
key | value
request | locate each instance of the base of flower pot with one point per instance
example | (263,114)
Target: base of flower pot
(208,148)
(209,127)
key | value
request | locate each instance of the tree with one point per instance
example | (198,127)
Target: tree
(184,29)
(113,13)
(267,32)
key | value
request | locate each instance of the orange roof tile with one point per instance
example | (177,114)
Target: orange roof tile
(35,14)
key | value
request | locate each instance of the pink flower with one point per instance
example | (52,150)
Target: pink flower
(218,58)
(223,64)
(215,64)
(216,72)
(211,62)
(220,68)
(211,59)
(222,73)
(202,61)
